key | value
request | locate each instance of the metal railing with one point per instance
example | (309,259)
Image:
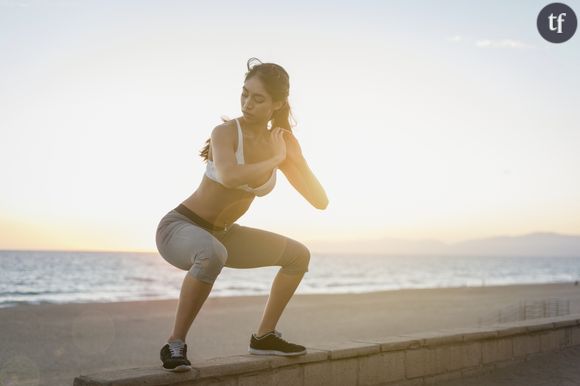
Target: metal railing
(528,309)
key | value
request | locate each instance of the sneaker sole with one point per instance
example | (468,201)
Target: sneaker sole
(274,352)
(178,369)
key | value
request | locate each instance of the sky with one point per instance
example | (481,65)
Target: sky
(446,120)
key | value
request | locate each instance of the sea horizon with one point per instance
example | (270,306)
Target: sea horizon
(59,277)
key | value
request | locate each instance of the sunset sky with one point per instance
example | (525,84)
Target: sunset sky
(443,120)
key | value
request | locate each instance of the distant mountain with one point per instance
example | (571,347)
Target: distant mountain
(534,244)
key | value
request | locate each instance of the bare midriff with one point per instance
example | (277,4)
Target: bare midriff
(217,204)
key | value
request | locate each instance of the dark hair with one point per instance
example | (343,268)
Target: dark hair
(276,81)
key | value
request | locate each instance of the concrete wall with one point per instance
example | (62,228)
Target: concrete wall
(412,359)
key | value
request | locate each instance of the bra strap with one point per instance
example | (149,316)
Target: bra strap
(240,150)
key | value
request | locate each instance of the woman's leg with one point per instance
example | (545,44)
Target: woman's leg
(251,248)
(191,248)
(193,294)
(283,288)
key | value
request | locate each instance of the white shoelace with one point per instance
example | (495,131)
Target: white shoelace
(276,332)
(176,348)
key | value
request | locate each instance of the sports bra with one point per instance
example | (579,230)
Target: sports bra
(211,172)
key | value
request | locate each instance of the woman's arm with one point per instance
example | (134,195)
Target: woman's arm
(298,173)
(231,173)
(293,149)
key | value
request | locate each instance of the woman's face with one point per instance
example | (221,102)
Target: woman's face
(257,105)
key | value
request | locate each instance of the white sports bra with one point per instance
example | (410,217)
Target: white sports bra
(211,172)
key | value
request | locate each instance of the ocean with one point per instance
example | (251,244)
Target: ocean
(36,277)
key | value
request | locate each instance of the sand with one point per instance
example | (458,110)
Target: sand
(55,343)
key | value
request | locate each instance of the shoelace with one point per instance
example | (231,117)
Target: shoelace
(279,335)
(176,349)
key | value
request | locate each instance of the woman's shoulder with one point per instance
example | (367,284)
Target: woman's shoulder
(225,132)
(227,129)
(228,125)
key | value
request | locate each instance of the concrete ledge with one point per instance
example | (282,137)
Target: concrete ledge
(409,359)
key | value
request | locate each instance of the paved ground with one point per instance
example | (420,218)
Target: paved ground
(555,369)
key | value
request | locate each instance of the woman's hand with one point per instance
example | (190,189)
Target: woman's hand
(278,144)
(293,149)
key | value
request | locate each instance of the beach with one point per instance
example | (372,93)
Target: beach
(53,343)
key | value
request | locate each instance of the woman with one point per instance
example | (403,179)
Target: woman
(201,234)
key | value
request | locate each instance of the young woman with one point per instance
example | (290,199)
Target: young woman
(201,234)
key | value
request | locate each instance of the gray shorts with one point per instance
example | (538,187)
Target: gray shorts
(204,252)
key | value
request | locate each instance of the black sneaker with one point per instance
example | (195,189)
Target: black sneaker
(175,359)
(273,344)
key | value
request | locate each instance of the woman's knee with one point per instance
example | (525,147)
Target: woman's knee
(299,260)
(208,263)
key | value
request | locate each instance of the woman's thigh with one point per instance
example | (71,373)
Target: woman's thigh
(184,244)
(249,247)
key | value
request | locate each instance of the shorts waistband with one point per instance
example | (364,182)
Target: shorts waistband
(182,209)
